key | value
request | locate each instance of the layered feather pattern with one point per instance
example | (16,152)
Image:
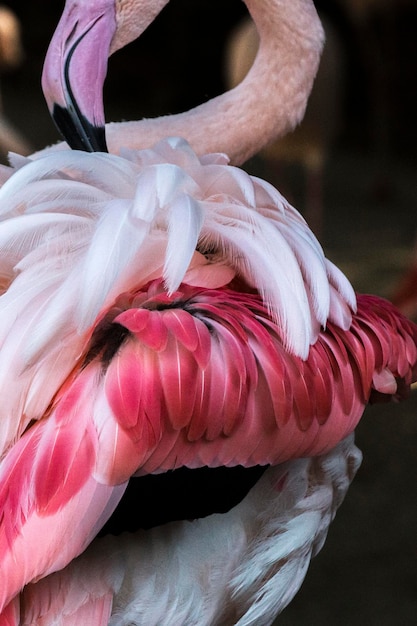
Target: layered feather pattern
(242,567)
(71,243)
(180,314)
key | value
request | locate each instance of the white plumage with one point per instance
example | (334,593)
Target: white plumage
(239,568)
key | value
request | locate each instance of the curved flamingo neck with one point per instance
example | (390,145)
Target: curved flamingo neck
(269,102)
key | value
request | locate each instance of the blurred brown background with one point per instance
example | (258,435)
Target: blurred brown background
(367,222)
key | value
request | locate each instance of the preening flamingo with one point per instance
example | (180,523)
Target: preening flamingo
(164,310)
(119,373)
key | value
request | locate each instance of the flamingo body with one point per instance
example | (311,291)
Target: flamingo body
(210,574)
(155,349)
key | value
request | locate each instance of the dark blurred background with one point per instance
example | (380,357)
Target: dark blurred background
(359,191)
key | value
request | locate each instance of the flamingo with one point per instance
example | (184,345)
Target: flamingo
(284,518)
(162,309)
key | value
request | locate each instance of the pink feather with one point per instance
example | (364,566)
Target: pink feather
(140,376)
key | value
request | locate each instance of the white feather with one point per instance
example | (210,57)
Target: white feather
(259,252)
(341,284)
(241,567)
(77,229)
(231,182)
(185,219)
(114,243)
(158,186)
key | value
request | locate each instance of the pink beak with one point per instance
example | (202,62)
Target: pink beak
(75,69)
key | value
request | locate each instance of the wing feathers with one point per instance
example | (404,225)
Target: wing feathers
(265,361)
(300,406)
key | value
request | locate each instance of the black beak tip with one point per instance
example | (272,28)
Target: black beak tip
(79,134)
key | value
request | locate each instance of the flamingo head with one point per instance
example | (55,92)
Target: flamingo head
(75,68)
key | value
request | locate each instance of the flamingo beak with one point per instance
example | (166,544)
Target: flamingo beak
(74,72)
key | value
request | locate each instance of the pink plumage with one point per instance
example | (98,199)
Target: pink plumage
(162,309)
(145,374)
